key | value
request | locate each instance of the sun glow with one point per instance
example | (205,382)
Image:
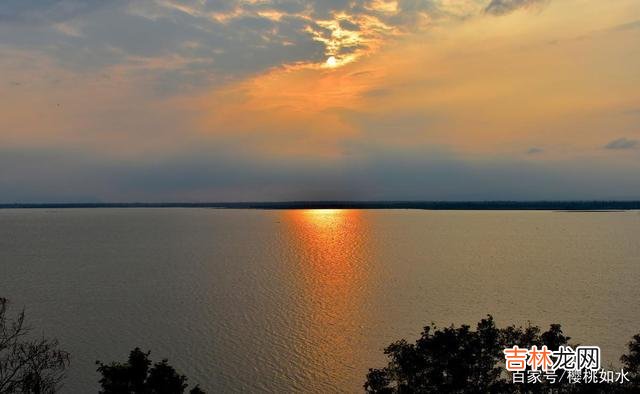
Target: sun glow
(332,62)
(325,219)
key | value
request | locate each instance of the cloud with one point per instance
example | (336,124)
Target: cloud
(501,7)
(195,43)
(375,93)
(626,26)
(622,143)
(534,150)
(212,174)
(38,11)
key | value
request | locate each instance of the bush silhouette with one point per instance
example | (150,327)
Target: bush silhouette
(460,360)
(137,377)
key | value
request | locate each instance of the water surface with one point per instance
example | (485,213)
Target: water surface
(305,300)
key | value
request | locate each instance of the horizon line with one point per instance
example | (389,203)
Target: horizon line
(574,205)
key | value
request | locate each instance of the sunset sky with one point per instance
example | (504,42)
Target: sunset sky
(253,100)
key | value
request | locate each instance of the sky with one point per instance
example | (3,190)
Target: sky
(279,100)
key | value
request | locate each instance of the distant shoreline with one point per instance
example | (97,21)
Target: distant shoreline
(573,206)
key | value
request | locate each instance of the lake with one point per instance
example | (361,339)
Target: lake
(305,300)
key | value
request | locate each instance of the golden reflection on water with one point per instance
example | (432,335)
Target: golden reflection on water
(332,273)
(331,244)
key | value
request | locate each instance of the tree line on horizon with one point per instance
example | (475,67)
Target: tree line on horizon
(558,205)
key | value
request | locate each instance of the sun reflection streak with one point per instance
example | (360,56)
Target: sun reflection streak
(332,272)
(330,241)
(325,217)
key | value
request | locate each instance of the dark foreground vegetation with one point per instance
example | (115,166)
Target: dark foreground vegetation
(136,376)
(28,364)
(461,360)
(36,365)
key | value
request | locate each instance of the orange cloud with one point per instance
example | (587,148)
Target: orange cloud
(289,111)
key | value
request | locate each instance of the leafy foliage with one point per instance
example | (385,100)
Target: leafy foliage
(631,361)
(460,360)
(137,376)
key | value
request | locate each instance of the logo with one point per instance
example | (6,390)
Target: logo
(579,365)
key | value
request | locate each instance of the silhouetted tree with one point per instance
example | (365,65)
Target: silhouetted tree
(28,365)
(135,377)
(459,360)
(631,361)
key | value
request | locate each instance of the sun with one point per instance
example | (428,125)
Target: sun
(332,62)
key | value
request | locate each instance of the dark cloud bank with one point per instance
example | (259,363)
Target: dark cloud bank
(61,176)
